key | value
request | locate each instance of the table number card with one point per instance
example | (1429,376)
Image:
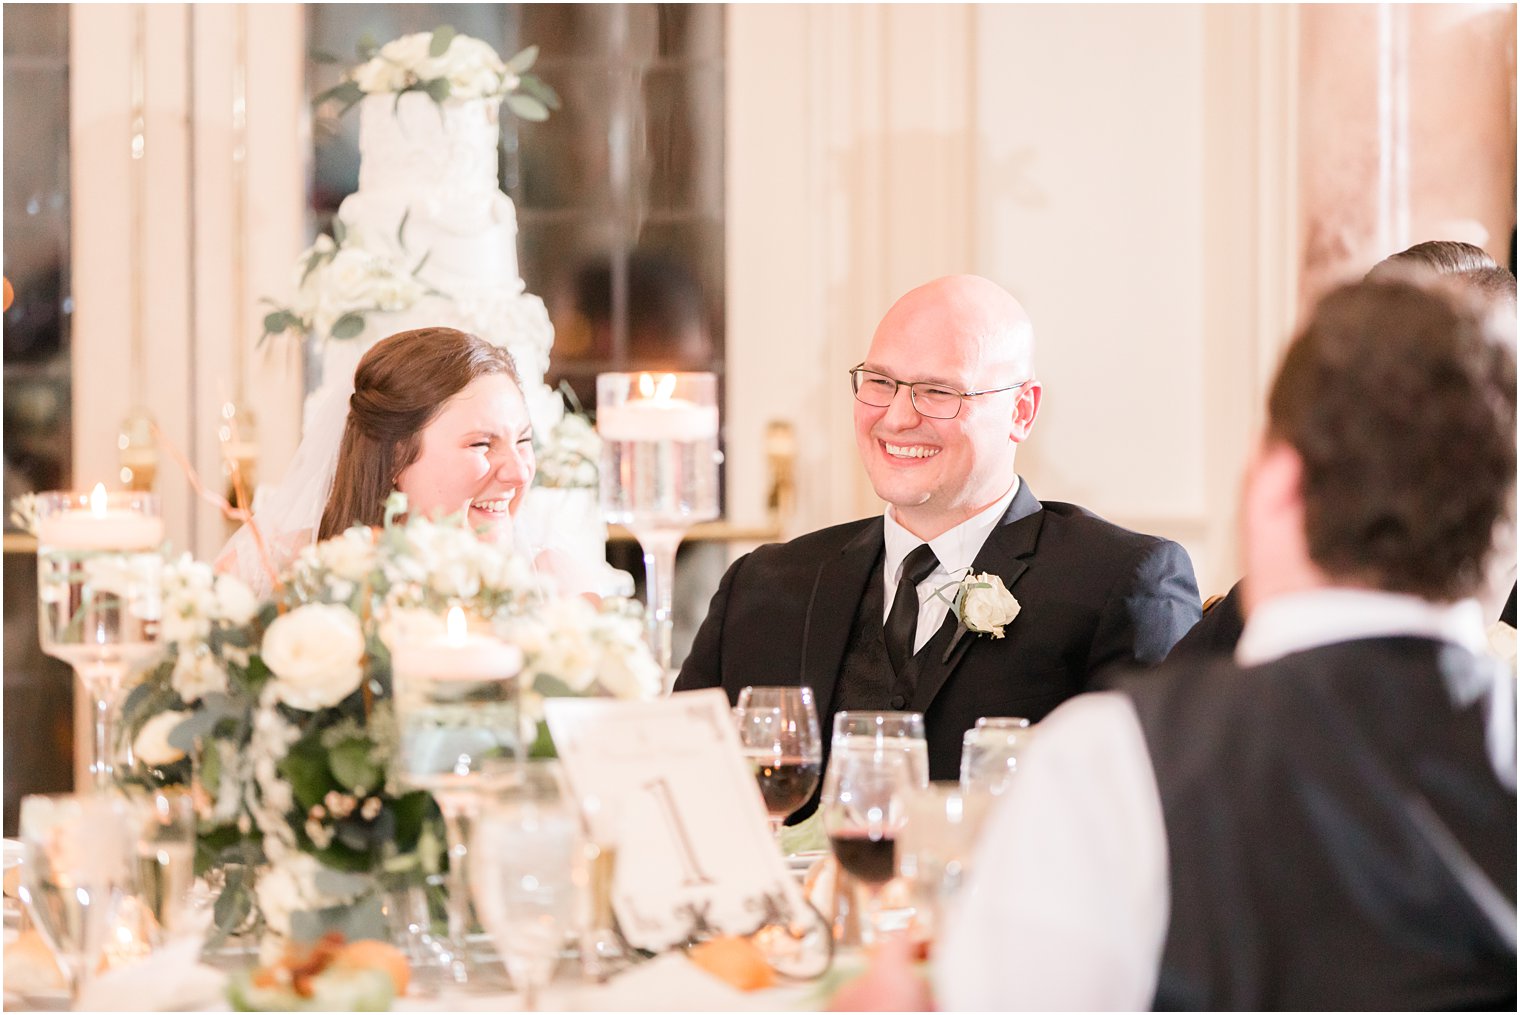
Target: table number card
(695,857)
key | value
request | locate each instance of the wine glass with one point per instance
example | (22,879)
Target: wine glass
(604,952)
(99,591)
(527,872)
(778,729)
(76,875)
(863,810)
(934,847)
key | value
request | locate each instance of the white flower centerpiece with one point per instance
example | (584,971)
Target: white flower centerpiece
(279,714)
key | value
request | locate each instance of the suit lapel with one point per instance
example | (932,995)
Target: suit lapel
(1006,554)
(837,590)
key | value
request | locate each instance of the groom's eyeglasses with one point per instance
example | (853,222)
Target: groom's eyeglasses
(929,399)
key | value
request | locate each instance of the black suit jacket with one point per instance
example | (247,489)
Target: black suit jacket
(1092,595)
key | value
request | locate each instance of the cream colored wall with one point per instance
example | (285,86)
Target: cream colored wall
(190,260)
(1105,164)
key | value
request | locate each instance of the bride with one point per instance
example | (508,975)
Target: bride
(435,414)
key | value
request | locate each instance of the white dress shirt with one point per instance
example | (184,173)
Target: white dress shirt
(956,548)
(1068,900)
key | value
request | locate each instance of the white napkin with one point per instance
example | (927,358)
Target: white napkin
(171,979)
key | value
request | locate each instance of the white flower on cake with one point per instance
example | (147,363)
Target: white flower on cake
(571,457)
(315,653)
(152,746)
(447,65)
(984,604)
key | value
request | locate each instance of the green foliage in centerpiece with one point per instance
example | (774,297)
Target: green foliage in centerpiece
(281,714)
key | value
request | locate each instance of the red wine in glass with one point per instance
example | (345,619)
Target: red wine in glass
(786,783)
(872,861)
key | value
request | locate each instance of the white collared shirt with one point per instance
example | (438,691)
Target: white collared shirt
(956,548)
(1068,901)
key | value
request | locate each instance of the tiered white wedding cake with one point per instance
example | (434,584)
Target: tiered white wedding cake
(429,239)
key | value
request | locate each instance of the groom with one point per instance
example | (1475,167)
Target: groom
(860,612)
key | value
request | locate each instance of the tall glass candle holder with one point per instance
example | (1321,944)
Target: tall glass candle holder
(457,708)
(99,591)
(659,472)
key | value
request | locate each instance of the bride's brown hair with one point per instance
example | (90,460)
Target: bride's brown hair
(400,385)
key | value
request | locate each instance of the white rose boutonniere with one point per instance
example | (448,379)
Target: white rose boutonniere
(316,654)
(984,604)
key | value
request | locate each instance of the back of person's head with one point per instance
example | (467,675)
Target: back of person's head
(400,385)
(1399,399)
(1443,257)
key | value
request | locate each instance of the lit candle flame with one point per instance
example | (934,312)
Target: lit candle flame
(98,500)
(456,624)
(659,391)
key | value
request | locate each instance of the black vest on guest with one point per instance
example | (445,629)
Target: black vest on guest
(1337,836)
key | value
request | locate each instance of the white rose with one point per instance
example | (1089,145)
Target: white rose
(378,76)
(235,602)
(409,51)
(197,674)
(350,556)
(152,745)
(986,604)
(316,655)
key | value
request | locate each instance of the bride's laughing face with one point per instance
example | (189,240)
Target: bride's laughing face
(476,454)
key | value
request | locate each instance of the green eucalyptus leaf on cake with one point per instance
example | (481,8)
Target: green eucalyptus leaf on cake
(443,35)
(522,60)
(423,263)
(322,56)
(438,89)
(348,326)
(527,108)
(535,87)
(366,48)
(401,228)
(345,94)
(340,231)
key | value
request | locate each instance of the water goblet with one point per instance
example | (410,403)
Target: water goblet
(165,852)
(778,730)
(76,875)
(934,847)
(900,731)
(527,872)
(99,591)
(863,811)
(990,753)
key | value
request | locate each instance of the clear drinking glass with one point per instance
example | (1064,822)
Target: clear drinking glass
(863,811)
(165,851)
(934,847)
(99,592)
(527,872)
(77,874)
(902,731)
(990,753)
(604,952)
(659,472)
(778,730)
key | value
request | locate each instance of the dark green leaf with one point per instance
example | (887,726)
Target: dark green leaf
(527,108)
(280,322)
(443,35)
(522,60)
(348,326)
(422,262)
(367,47)
(306,771)
(322,56)
(344,93)
(355,835)
(438,89)
(211,768)
(353,768)
(343,858)
(235,903)
(543,745)
(199,724)
(410,812)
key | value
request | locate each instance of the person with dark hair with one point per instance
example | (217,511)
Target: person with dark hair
(1472,269)
(1328,822)
(434,413)
(861,612)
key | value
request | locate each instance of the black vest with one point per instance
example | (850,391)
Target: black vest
(1326,817)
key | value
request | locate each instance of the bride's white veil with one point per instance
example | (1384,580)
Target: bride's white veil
(289,514)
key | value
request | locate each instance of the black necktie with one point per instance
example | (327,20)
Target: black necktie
(902,622)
